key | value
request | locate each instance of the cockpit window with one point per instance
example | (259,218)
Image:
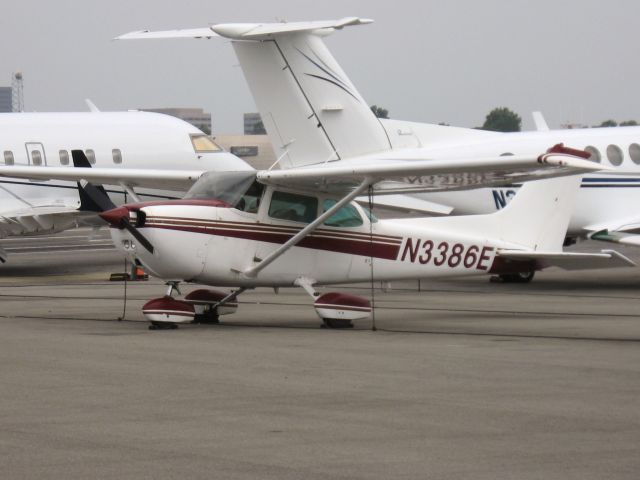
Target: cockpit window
(291,206)
(204,143)
(230,187)
(250,201)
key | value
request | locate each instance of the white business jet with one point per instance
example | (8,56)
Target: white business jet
(119,140)
(314,114)
(298,226)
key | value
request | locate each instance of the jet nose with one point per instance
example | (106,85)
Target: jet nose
(116,216)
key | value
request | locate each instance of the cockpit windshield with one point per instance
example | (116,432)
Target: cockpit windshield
(204,143)
(239,189)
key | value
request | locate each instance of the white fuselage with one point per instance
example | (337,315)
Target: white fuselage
(214,245)
(111,140)
(603,197)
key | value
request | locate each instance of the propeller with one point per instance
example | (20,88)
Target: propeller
(120,217)
(94,198)
(136,234)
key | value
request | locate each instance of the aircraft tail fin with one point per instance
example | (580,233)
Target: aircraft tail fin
(536,219)
(539,214)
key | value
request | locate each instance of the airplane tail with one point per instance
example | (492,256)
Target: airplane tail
(539,214)
(536,219)
(309,107)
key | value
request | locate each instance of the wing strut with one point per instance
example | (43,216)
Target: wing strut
(253,271)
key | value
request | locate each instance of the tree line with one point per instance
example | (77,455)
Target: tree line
(502,119)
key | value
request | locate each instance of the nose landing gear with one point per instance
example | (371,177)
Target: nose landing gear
(200,306)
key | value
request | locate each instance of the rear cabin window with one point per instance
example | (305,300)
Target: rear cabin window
(36,156)
(594,154)
(204,143)
(91,156)
(8,157)
(347,216)
(64,157)
(294,207)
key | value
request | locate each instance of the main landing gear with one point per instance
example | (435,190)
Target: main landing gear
(200,306)
(335,309)
(520,277)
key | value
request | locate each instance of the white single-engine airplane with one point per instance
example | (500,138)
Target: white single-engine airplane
(119,140)
(314,114)
(300,227)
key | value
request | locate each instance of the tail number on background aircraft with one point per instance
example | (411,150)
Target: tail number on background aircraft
(502,197)
(444,253)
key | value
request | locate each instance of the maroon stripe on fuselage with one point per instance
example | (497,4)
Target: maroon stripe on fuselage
(284,229)
(355,247)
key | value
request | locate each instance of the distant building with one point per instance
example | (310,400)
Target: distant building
(254,149)
(195,116)
(253,124)
(6,104)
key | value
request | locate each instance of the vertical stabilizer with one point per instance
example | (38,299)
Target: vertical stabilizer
(310,109)
(536,219)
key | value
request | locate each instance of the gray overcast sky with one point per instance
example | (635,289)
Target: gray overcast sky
(424,60)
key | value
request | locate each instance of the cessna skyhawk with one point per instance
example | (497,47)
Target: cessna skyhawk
(300,227)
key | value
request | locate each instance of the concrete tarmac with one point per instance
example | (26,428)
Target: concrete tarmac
(462,379)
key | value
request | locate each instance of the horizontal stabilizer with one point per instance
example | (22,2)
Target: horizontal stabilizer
(246,31)
(205,32)
(571,260)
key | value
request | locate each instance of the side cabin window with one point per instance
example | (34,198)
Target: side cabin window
(294,207)
(8,157)
(36,157)
(117,155)
(64,157)
(347,216)
(91,156)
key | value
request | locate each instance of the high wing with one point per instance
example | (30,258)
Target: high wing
(410,175)
(421,175)
(175,180)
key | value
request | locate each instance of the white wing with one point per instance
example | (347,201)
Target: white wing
(414,175)
(175,180)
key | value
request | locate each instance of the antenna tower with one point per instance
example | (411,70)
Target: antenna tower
(17,95)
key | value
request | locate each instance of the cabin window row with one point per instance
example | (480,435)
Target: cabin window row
(36,157)
(615,155)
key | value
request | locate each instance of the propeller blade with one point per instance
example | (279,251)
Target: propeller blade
(137,235)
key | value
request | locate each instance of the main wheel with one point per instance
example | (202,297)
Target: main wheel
(520,277)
